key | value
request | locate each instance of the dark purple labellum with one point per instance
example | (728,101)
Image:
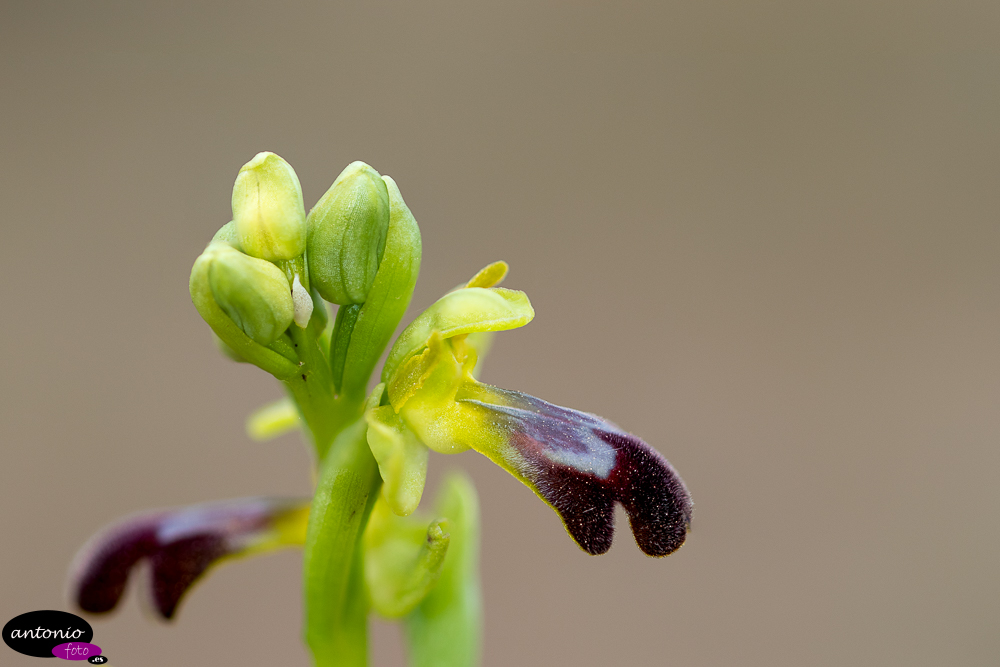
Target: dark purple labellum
(76,651)
(180,546)
(582,464)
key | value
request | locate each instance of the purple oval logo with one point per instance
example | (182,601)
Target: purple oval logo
(76,651)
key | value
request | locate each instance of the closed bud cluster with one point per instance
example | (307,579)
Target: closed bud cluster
(268,213)
(347,232)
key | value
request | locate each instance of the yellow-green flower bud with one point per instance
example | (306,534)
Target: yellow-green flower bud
(268,213)
(347,230)
(227,234)
(253,293)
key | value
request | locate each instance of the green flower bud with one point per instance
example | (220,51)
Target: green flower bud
(268,214)
(227,234)
(227,351)
(253,293)
(347,230)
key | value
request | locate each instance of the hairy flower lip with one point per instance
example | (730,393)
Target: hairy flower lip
(581,465)
(180,545)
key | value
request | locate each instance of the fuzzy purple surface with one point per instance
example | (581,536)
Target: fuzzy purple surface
(653,494)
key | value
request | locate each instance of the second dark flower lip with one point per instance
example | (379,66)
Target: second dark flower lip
(180,546)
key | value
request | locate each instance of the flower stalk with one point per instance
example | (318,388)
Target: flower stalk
(336,603)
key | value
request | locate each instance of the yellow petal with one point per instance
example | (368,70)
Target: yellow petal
(402,459)
(490,276)
(465,311)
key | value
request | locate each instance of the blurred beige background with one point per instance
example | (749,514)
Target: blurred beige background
(764,236)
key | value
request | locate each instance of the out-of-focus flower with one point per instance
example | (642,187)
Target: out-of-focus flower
(180,545)
(427,572)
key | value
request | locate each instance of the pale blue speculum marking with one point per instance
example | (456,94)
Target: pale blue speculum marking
(559,441)
(598,459)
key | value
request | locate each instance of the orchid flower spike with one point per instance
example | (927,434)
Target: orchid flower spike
(262,285)
(578,463)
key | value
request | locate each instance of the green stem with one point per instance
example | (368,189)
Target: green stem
(335,596)
(312,389)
